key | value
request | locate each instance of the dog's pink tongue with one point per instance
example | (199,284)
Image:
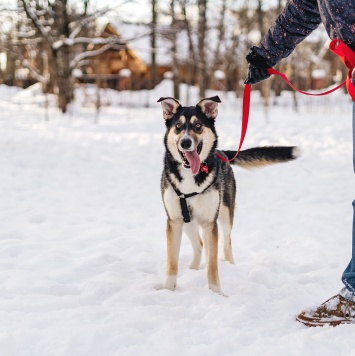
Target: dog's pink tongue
(194,160)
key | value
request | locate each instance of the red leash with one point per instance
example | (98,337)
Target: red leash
(246,108)
(336,46)
(245,119)
(283,76)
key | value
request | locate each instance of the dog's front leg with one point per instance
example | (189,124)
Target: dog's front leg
(210,240)
(191,230)
(173,237)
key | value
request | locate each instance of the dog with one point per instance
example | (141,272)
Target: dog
(198,189)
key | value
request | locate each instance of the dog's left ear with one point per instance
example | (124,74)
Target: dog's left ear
(170,107)
(209,106)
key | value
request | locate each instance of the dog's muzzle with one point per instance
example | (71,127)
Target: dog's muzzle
(190,158)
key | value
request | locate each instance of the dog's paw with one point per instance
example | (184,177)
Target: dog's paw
(218,290)
(170,283)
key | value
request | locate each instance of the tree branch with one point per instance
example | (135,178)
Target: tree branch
(36,21)
(87,54)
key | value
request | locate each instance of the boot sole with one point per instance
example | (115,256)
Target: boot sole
(317,322)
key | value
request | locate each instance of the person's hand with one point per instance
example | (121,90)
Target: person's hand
(257,68)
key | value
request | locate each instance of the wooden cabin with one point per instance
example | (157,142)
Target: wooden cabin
(117,68)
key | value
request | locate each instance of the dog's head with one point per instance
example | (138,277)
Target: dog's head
(191,136)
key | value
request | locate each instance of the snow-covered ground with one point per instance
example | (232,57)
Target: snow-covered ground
(82,232)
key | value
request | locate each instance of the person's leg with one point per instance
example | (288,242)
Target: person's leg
(348,276)
(339,309)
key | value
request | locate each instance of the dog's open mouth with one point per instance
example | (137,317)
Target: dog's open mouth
(191,159)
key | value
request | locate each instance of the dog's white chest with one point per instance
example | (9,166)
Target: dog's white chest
(204,206)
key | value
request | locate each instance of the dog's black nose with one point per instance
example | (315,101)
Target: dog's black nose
(186,143)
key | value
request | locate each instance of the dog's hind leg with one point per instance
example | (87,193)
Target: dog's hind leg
(191,230)
(173,237)
(225,219)
(210,239)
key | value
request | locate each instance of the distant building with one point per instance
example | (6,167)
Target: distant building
(118,68)
(126,66)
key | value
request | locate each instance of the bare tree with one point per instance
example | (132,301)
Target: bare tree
(202,30)
(218,60)
(65,32)
(153,65)
(175,64)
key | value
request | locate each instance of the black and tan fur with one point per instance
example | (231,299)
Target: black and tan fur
(191,130)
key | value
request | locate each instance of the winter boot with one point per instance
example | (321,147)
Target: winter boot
(336,310)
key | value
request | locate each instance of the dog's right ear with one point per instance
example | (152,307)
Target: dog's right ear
(170,107)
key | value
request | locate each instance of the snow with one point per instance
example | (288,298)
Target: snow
(82,231)
(318,74)
(56,45)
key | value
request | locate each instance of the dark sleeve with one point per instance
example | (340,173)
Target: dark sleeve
(298,19)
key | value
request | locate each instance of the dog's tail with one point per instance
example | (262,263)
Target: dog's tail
(262,156)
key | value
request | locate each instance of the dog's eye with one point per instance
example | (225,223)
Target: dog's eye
(198,126)
(178,125)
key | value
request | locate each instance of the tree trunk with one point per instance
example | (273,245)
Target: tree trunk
(153,66)
(175,66)
(202,69)
(62,60)
(191,65)
(63,78)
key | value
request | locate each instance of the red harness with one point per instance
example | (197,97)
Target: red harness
(346,55)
